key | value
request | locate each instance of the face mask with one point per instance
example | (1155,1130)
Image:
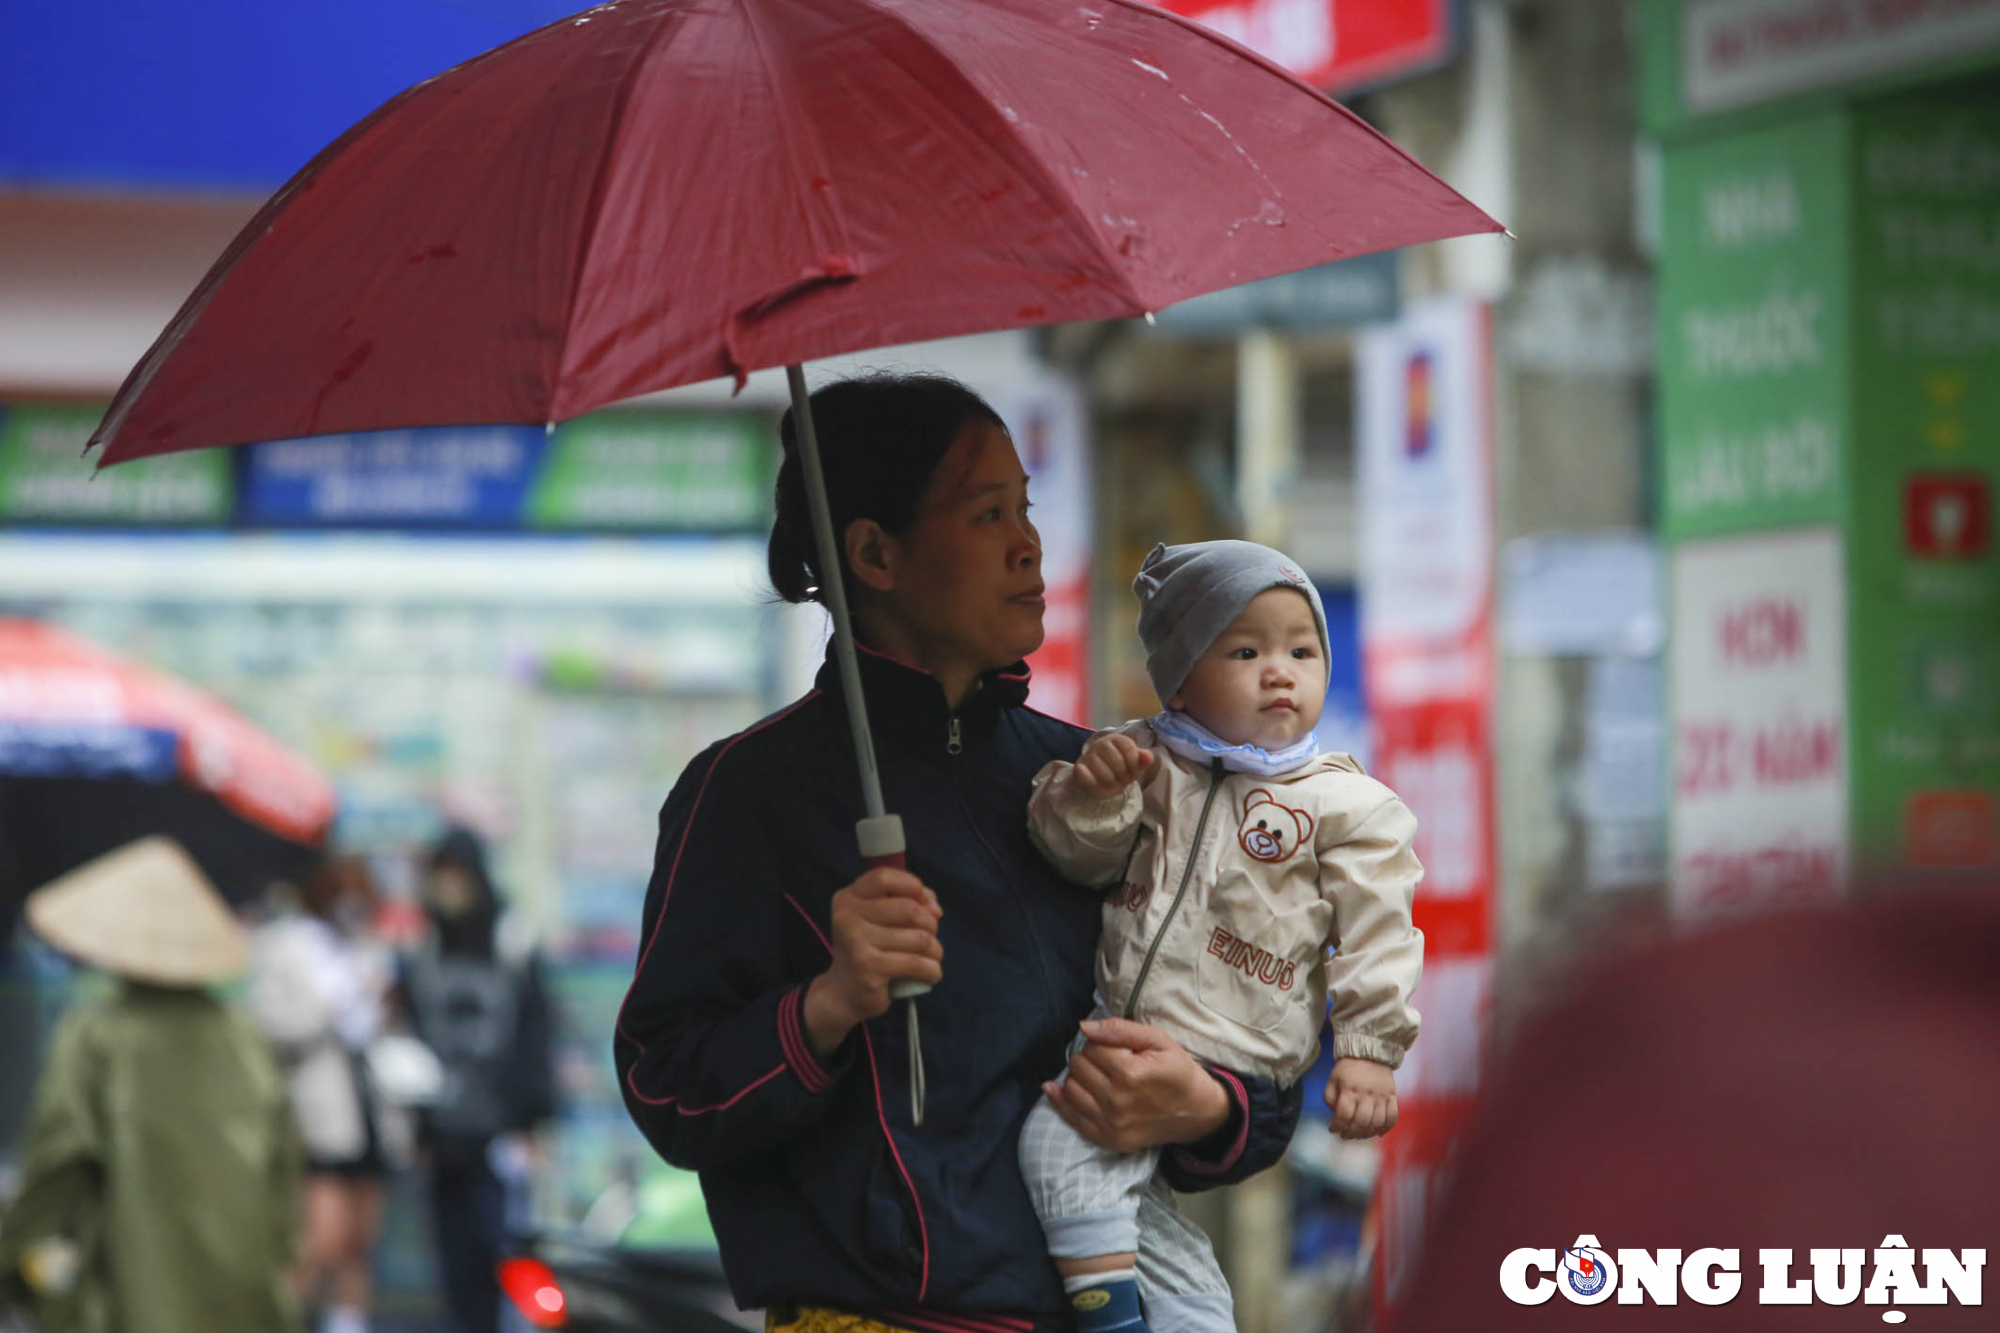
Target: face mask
(1197,744)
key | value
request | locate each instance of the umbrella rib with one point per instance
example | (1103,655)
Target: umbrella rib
(773,83)
(1158,12)
(1030,162)
(264,220)
(600,187)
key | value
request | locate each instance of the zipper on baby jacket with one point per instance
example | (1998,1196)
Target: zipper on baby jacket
(954,743)
(1187,874)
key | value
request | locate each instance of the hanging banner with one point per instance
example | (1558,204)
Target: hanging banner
(1052,434)
(1425,457)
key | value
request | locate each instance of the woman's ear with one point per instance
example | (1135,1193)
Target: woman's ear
(871,554)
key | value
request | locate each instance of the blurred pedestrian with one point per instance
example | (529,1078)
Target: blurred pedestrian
(160,1169)
(476,997)
(317,990)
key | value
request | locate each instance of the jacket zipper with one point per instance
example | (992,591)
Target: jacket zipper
(1187,874)
(955,745)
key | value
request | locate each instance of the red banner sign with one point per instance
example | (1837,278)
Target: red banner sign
(1424,431)
(1338,45)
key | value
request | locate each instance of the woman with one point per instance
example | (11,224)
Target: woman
(476,998)
(753,1046)
(159,1172)
(317,991)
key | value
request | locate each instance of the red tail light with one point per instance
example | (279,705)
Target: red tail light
(532,1287)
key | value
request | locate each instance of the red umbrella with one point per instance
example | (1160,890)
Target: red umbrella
(656,192)
(96,751)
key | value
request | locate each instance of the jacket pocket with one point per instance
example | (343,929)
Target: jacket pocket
(1255,962)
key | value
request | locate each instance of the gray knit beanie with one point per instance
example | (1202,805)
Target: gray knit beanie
(1189,594)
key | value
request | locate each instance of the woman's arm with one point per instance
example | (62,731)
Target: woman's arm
(726,1044)
(713,1057)
(56,1222)
(1134,1087)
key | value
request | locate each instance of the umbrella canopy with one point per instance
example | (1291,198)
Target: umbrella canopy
(656,192)
(96,752)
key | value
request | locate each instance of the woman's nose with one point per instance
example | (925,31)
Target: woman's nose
(1026,549)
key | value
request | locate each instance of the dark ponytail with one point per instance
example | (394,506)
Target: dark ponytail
(880,439)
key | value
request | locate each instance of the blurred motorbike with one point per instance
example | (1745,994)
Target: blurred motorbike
(594,1286)
(642,1260)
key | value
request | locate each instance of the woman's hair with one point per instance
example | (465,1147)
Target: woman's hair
(880,439)
(330,879)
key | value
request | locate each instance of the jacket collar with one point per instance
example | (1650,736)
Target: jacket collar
(907,702)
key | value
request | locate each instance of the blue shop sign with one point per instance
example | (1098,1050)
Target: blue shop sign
(217,94)
(446,476)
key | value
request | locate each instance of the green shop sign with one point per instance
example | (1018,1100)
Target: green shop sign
(44,477)
(1924,587)
(1753,335)
(1726,64)
(654,471)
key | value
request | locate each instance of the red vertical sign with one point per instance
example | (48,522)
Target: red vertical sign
(1426,501)
(1052,433)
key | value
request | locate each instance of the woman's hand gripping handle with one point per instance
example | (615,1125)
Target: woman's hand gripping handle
(885,947)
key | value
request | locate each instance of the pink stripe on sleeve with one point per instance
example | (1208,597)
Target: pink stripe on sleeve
(1234,1087)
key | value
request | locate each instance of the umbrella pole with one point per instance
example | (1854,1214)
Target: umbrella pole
(881,833)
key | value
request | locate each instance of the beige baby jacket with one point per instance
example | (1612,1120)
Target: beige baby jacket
(1230,890)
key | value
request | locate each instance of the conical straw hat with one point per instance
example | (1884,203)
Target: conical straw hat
(146,912)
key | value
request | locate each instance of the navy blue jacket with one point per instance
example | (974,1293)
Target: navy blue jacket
(819,1187)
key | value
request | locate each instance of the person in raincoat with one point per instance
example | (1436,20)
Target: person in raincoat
(160,1166)
(476,997)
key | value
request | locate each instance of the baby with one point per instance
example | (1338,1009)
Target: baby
(1252,875)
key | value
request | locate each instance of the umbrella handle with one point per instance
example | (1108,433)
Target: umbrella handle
(882,844)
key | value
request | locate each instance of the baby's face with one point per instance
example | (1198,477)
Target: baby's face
(1263,681)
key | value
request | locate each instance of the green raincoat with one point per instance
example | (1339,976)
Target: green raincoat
(162,1161)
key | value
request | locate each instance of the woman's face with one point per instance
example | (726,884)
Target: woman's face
(961,587)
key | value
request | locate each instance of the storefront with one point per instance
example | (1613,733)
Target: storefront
(1830,437)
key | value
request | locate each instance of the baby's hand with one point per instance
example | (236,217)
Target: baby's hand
(1110,764)
(1362,1096)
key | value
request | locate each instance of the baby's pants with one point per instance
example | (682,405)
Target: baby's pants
(1093,1202)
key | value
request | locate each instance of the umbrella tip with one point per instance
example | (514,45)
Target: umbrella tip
(1508,232)
(548,428)
(1150,319)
